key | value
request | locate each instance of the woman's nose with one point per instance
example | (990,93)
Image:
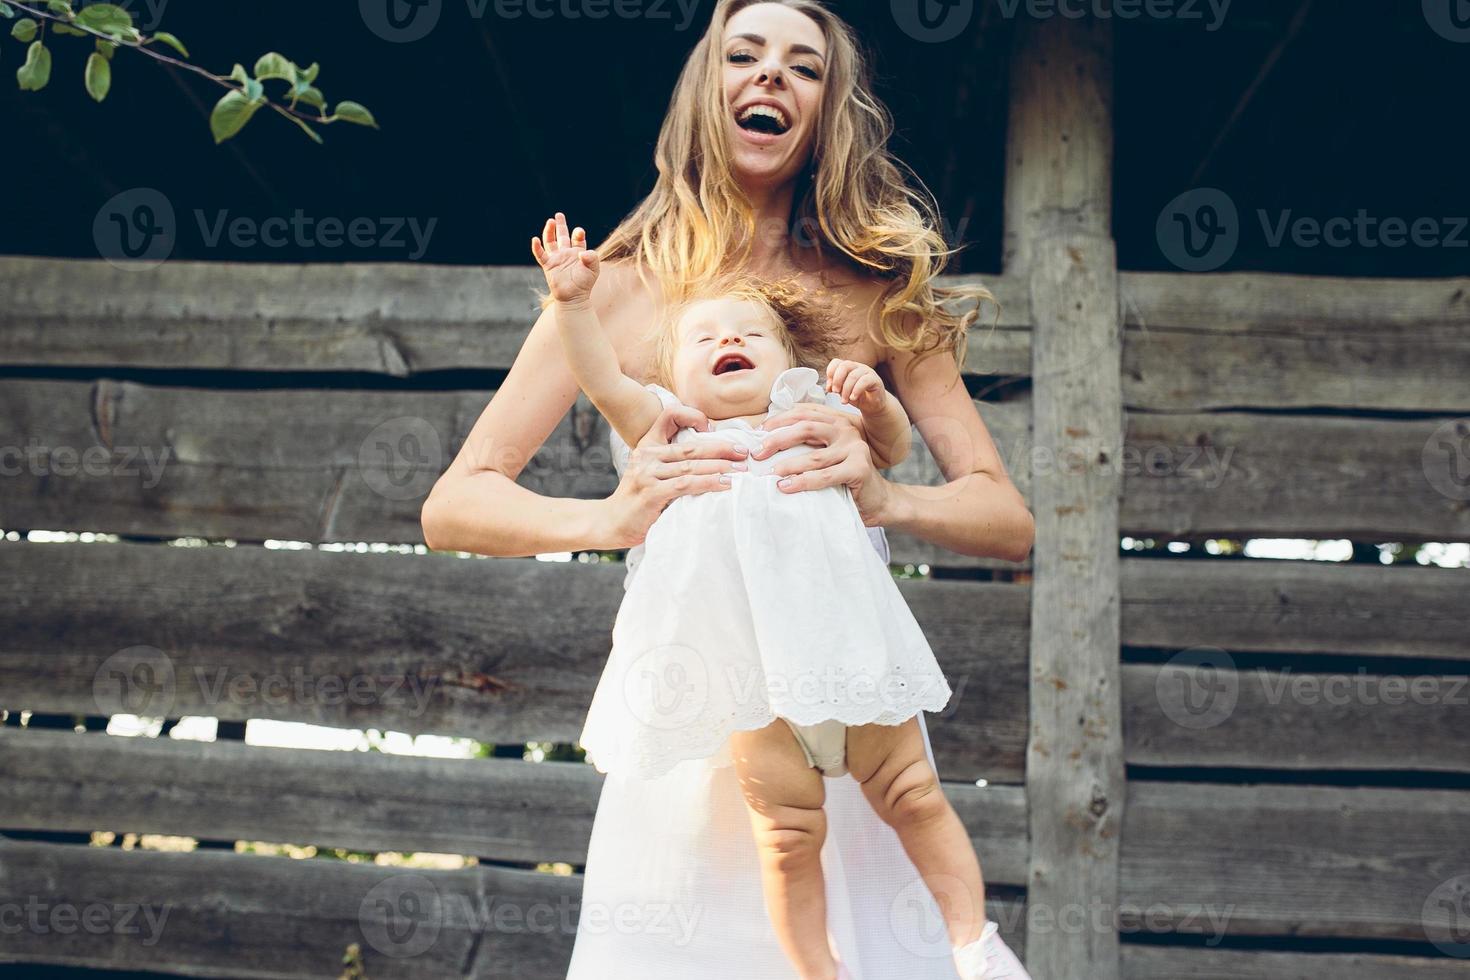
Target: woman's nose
(770,74)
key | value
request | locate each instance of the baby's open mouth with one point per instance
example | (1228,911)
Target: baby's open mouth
(732,362)
(762,118)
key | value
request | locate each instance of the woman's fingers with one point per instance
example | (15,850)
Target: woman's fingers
(806,432)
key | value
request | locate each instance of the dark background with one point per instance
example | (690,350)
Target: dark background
(489,124)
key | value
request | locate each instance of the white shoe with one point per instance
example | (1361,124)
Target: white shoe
(989,958)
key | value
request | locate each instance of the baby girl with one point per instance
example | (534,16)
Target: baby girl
(762,629)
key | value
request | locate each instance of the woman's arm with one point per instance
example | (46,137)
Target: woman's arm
(978,511)
(477,506)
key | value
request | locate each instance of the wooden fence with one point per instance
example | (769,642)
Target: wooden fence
(1128,715)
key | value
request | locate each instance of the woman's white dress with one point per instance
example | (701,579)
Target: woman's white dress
(672,887)
(751,604)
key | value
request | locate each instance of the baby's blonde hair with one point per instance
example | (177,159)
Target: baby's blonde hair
(809,329)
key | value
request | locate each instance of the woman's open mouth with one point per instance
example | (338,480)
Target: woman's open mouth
(763,122)
(732,362)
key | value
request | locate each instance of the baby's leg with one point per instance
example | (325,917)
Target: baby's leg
(784,796)
(890,763)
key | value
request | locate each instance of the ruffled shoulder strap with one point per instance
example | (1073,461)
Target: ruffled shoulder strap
(801,384)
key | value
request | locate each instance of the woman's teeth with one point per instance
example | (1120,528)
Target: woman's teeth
(764,118)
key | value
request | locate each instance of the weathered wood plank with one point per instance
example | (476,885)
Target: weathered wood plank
(1285,476)
(216,914)
(219,914)
(1232,340)
(1296,607)
(495,649)
(356,465)
(302,464)
(396,319)
(499,809)
(1201,712)
(1145,962)
(1291,860)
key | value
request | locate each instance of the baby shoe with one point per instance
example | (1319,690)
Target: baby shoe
(988,958)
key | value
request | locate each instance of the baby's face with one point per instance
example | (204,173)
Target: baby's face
(729,353)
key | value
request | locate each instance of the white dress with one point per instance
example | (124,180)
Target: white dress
(672,886)
(751,604)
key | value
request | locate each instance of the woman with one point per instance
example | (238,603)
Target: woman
(802,188)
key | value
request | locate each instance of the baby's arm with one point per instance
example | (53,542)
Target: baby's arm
(885,422)
(571,270)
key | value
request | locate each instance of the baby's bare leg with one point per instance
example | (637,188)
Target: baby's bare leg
(784,796)
(890,763)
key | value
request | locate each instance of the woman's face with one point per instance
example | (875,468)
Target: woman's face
(772,56)
(729,353)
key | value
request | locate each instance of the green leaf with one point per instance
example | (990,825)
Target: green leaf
(24,30)
(272,65)
(107,18)
(105,48)
(59,7)
(6,11)
(309,75)
(98,76)
(172,42)
(36,72)
(61,28)
(254,91)
(354,113)
(230,115)
(303,92)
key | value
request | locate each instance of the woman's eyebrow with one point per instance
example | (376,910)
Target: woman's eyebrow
(795,48)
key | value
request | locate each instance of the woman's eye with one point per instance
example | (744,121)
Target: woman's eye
(740,57)
(808,71)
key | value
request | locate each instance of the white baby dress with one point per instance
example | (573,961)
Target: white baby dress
(750,604)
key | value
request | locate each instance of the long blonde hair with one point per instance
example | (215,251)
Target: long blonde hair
(853,196)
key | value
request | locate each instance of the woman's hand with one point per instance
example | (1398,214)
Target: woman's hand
(842,456)
(659,471)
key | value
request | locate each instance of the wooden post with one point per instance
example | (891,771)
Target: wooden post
(1058,211)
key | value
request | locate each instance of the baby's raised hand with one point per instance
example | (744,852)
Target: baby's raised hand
(857,383)
(570,266)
